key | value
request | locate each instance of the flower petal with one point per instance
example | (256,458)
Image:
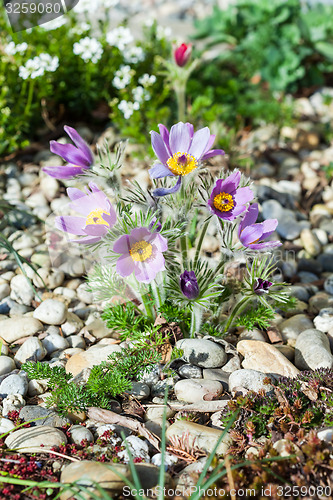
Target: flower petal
(231,183)
(243,195)
(96,229)
(158,171)
(125,265)
(122,245)
(265,245)
(63,172)
(70,224)
(269,227)
(165,136)
(199,143)
(165,191)
(159,147)
(251,234)
(249,218)
(74,193)
(69,153)
(160,242)
(80,143)
(212,152)
(87,240)
(180,138)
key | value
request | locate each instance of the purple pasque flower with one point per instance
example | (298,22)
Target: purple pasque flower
(79,157)
(142,253)
(154,222)
(227,200)
(252,235)
(179,152)
(261,286)
(189,285)
(97,215)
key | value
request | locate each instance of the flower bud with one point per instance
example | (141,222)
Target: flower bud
(182,54)
(189,285)
(152,224)
(261,286)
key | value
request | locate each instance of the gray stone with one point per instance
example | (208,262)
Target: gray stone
(310,242)
(73,324)
(139,390)
(6,425)
(21,290)
(217,374)
(76,341)
(324,321)
(43,416)
(7,365)
(84,295)
(307,277)
(13,402)
(319,301)
(193,390)
(4,290)
(51,312)
(203,353)
(54,342)
(328,285)
(312,350)
(137,447)
(162,386)
(30,440)
(14,384)
(16,328)
(300,292)
(324,435)
(292,327)
(79,433)
(251,380)
(326,260)
(190,371)
(288,228)
(254,334)
(31,350)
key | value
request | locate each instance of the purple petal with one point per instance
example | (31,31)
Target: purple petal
(87,240)
(159,147)
(74,193)
(142,233)
(212,152)
(160,242)
(251,234)
(69,153)
(199,143)
(239,209)
(243,195)
(210,142)
(249,218)
(180,138)
(165,191)
(125,265)
(80,143)
(265,245)
(110,218)
(165,136)
(269,227)
(158,171)
(122,245)
(190,128)
(70,224)
(63,172)
(231,183)
(94,188)
(96,229)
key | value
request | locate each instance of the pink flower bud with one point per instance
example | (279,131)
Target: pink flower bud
(182,54)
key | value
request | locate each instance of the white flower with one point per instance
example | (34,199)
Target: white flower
(119,37)
(140,94)
(85,6)
(149,22)
(162,32)
(108,4)
(147,80)
(122,77)
(37,66)
(12,49)
(81,28)
(127,108)
(134,55)
(54,23)
(89,49)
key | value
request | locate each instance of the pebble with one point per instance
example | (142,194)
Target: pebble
(328,284)
(30,440)
(265,358)
(284,447)
(251,380)
(300,292)
(292,327)
(21,290)
(169,459)
(319,301)
(16,328)
(200,436)
(6,425)
(55,278)
(76,341)
(254,334)
(14,402)
(31,350)
(159,388)
(43,416)
(324,321)
(84,295)
(4,290)
(190,371)
(137,447)
(92,356)
(73,324)
(217,374)
(51,312)
(139,390)
(54,342)
(7,365)
(14,384)
(203,353)
(312,350)
(310,242)
(156,413)
(37,387)
(323,435)
(193,390)
(78,433)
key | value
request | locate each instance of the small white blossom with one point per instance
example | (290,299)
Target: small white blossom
(140,94)
(11,49)
(134,55)
(89,49)
(147,80)
(120,37)
(54,23)
(37,66)
(162,32)
(81,28)
(127,108)
(122,77)
(149,22)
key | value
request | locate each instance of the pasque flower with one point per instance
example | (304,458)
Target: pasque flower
(261,286)
(182,54)
(142,253)
(189,285)
(227,200)
(79,157)
(252,235)
(179,152)
(97,215)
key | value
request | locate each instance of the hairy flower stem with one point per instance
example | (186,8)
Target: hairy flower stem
(148,306)
(199,245)
(196,318)
(156,294)
(180,91)
(29,99)
(183,247)
(236,311)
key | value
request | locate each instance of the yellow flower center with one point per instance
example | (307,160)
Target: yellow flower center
(95,217)
(224,202)
(182,163)
(141,251)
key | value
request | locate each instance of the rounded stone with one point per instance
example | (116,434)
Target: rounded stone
(312,350)
(7,365)
(21,290)
(139,390)
(78,433)
(193,390)
(92,356)
(284,447)
(73,324)
(203,353)
(51,312)
(217,374)
(54,342)
(310,242)
(252,380)
(328,284)
(37,387)
(18,327)
(4,290)
(324,321)
(13,402)
(6,425)
(157,413)
(76,341)
(190,371)
(137,447)
(14,384)
(30,440)
(31,350)
(292,327)
(43,416)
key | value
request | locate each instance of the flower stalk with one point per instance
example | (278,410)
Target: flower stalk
(196,319)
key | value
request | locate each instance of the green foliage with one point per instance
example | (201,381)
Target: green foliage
(256,317)
(125,319)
